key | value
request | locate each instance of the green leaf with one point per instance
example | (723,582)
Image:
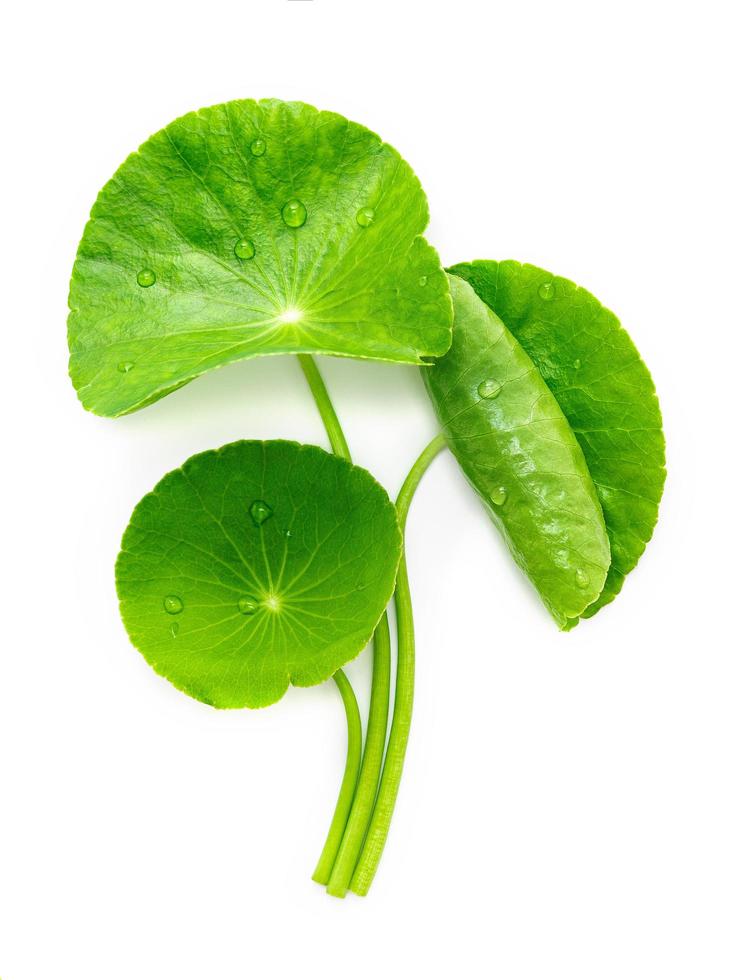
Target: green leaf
(517,450)
(254,565)
(244,229)
(603,387)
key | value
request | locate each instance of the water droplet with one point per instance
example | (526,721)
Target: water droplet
(489,389)
(577,364)
(546,290)
(365,217)
(581,578)
(125,366)
(260,511)
(287,534)
(293,213)
(244,249)
(146,278)
(174,630)
(173,605)
(422,280)
(247,605)
(498,496)
(257,147)
(361,587)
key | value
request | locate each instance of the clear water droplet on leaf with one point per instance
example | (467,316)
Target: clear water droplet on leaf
(498,496)
(293,213)
(244,249)
(146,278)
(365,217)
(581,578)
(247,605)
(174,630)
(173,605)
(422,280)
(125,366)
(489,388)
(577,364)
(546,290)
(260,511)
(258,147)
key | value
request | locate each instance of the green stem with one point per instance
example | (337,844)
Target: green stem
(369,776)
(372,760)
(349,780)
(401,724)
(324,404)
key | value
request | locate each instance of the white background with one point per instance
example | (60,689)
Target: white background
(567,809)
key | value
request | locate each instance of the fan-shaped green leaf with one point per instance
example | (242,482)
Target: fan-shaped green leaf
(516,448)
(254,565)
(603,387)
(251,228)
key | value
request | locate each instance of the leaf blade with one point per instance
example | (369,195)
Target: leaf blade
(605,390)
(180,205)
(255,566)
(516,448)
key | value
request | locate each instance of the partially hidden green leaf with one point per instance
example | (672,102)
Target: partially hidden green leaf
(251,228)
(516,448)
(603,387)
(256,565)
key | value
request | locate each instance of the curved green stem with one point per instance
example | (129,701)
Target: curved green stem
(396,752)
(349,780)
(372,761)
(324,404)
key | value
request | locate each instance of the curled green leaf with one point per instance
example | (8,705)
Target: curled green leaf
(516,448)
(256,565)
(251,228)
(603,387)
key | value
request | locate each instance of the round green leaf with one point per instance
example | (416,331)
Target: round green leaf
(603,387)
(516,448)
(251,228)
(254,565)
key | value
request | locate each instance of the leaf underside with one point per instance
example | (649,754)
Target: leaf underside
(256,565)
(604,389)
(354,279)
(516,448)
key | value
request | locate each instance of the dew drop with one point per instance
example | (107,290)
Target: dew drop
(364,217)
(422,280)
(577,364)
(546,290)
(260,511)
(125,366)
(498,496)
(581,578)
(287,534)
(146,278)
(173,605)
(293,213)
(489,388)
(257,147)
(244,249)
(174,630)
(247,605)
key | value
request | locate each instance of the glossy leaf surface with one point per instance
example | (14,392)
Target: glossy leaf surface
(516,448)
(251,228)
(256,565)
(603,387)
